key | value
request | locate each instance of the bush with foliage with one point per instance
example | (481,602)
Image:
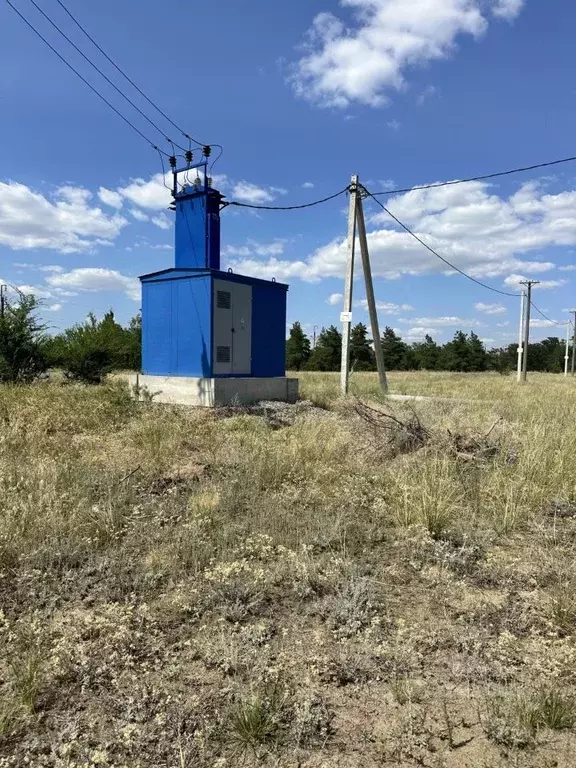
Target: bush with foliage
(89,351)
(22,341)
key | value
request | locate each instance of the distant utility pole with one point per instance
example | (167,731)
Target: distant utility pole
(356,219)
(573,311)
(521,336)
(3,290)
(314,333)
(528,284)
(567,354)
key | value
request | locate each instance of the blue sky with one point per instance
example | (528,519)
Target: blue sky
(301,95)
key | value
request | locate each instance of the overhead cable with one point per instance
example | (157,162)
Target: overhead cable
(129,79)
(86,82)
(287,207)
(476,178)
(549,319)
(435,253)
(103,74)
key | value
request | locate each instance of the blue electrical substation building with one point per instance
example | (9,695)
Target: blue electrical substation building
(210,337)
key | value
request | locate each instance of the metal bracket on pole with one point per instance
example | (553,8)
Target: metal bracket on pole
(346,316)
(370,294)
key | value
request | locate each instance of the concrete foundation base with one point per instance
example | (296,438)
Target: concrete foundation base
(182,390)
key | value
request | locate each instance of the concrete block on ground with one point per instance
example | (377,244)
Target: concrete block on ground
(184,390)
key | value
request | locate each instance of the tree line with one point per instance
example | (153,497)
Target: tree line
(465,352)
(88,351)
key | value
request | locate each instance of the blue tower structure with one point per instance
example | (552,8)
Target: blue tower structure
(210,337)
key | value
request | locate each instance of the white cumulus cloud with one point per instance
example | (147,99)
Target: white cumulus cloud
(97,279)
(253,247)
(334,299)
(64,222)
(480,232)
(139,215)
(537,323)
(490,309)
(246,192)
(446,321)
(110,197)
(514,281)
(364,61)
(386,307)
(162,221)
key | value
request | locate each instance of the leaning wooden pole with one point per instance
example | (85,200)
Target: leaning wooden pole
(370,294)
(346,316)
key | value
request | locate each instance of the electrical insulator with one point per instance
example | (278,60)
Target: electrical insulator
(197,182)
(172,161)
(209,181)
(207,151)
(189,156)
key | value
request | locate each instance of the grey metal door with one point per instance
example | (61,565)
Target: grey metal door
(223,324)
(232,345)
(241,328)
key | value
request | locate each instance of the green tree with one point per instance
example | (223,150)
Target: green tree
(22,339)
(130,355)
(327,354)
(553,350)
(396,352)
(477,355)
(362,356)
(297,348)
(426,354)
(502,360)
(455,354)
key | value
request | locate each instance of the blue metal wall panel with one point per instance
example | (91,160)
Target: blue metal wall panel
(190,237)
(156,312)
(176,326)
(268,329)
(197,238)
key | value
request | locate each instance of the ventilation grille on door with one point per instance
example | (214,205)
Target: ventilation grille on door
(223,354)
(223,300)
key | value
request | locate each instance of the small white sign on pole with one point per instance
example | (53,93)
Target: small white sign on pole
(345,317)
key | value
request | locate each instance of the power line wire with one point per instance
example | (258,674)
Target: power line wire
(129,79)
(549,319)
(102,74)
(86,82)
(427,186)
(477,178)
(286,207)
(435,253)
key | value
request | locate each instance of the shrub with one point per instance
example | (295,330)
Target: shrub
(22,356)
(90,351)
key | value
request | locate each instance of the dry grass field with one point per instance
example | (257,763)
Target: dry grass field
(308,586)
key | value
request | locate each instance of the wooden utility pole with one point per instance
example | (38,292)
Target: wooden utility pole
(370,295)
(521,336)
(346,316)
(573,340)
(3,290)
(528,284)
